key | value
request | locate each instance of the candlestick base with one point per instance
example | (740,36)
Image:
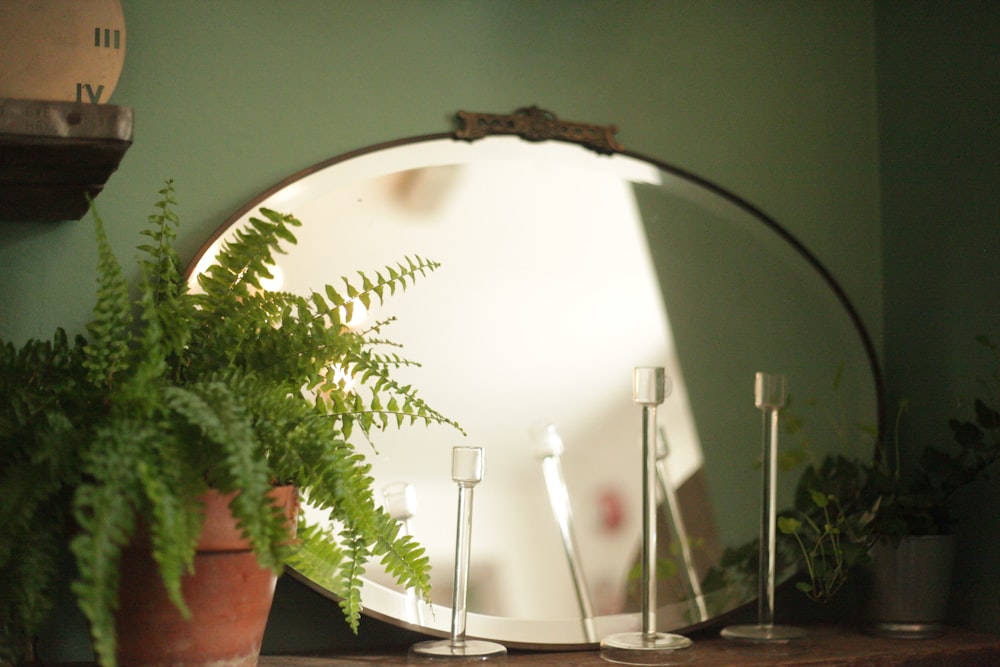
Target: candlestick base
(764,634)
(462,650)
(637,648)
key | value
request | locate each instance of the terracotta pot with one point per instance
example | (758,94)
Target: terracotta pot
(229,596)
(905,587)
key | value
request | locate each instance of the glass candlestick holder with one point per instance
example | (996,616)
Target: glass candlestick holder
(769,397)
(466,471)
(648,647)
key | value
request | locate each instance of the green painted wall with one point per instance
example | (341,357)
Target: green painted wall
(939,101)
(774,100)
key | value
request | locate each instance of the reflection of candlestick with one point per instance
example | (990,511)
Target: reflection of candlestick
(466,471)
(401,505)
(769,397)
(649,647)
(693,584)
(549,447)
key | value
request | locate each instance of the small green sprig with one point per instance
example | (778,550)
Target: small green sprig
(832,540)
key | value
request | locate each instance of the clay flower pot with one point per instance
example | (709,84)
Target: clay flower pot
(229,596)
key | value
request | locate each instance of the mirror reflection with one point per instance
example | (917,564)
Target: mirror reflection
(562,270)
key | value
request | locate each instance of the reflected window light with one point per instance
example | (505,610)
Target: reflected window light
(358,314)
(333,375)
(275,282)
(344,377)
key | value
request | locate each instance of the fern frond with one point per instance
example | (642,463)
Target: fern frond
(239,465)
(175,521)
(166,315)
(111,326)
(28,585)
(399,277)
(407,562)
(391,402)
(35,486)
(105,513)
(43,392)
(244,261)
(42,389)
(352,569)
(318,556)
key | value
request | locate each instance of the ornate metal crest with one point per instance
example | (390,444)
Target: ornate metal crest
(535,124)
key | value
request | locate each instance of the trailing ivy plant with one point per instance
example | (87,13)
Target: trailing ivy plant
(172,392)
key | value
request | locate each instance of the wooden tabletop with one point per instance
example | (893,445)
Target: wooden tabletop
(825,647)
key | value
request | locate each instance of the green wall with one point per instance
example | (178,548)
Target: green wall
(774,100)
(939,104)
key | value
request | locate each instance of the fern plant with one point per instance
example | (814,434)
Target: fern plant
(173,392)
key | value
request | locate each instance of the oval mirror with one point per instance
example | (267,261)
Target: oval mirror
(562,270)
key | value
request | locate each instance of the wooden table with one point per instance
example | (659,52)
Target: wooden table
(826,647)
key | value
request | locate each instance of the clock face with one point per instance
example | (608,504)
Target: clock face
(63,50)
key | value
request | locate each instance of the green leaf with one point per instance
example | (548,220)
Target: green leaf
(789,525)
(820,499)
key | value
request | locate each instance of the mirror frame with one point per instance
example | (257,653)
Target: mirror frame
(537,125)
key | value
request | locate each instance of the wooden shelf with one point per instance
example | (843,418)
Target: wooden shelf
(826,646)
(52,154)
